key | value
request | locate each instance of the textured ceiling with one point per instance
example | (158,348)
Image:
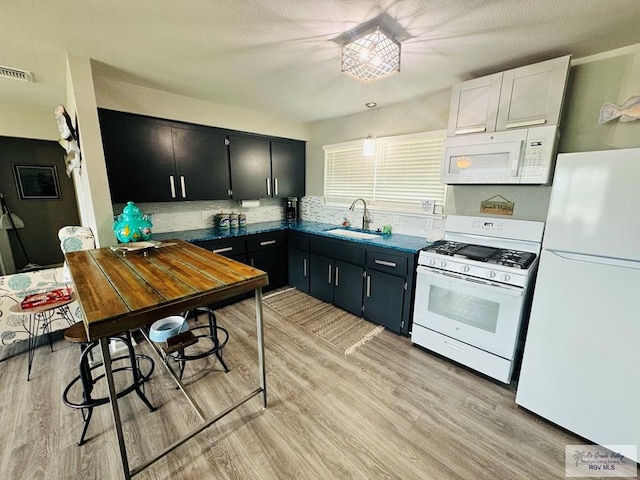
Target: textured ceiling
(283,56)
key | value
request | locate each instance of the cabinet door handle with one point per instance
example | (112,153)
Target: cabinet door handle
(275,186)
(385,263)
(268,186)
(172,183)
(184,189)
(368,286)
(329,281)
(267,242)
(463,131)
(528,123)
(221,250)
(251,262)
(337,272)
(304,266)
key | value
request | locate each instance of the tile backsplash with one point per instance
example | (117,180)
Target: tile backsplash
(177,216)
(427,226)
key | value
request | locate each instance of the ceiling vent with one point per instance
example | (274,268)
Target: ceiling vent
(16,74)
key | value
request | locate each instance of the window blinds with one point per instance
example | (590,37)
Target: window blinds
(404,172)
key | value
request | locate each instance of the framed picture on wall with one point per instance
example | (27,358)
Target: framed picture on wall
(37,182)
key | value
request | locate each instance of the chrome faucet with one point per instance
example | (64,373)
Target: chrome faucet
(366,218)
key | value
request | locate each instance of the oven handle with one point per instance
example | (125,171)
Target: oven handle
(512,290)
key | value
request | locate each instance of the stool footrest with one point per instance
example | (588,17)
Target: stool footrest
(180,341)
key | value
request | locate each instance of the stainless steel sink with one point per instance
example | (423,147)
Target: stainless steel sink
(351,233)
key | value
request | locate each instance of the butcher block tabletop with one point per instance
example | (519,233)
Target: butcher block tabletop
(121,291)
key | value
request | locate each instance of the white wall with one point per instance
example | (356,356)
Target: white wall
(92,188)
(126,97)
(26,121)
(613,76)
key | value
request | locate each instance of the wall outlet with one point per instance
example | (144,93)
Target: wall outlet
(427,206)
(204,215)
(429,223)
(396,219)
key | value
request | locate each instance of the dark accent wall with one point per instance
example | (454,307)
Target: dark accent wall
(42,218)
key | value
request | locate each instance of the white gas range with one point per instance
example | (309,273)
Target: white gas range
(473,291)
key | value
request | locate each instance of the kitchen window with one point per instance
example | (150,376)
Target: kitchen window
(403,173)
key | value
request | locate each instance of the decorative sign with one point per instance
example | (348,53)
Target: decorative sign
(497,205)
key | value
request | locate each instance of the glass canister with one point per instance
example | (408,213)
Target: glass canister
(221,220)
(132,225)
(233,220)
(242,220)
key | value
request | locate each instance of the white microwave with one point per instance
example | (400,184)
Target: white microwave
(522,156)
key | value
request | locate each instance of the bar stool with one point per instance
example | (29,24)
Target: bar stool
(77,334)
(217,337)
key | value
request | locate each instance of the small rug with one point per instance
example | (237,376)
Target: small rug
(342,329)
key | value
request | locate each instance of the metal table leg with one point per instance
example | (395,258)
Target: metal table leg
(113,396)
(260,337)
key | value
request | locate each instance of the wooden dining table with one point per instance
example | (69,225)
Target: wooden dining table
(121,291)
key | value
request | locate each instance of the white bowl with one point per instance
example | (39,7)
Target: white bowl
(167,327)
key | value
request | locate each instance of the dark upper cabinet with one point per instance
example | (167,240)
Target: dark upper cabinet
(202,168)
(288,168)
(154,160)
(139,157)
(250,159)
(263,167)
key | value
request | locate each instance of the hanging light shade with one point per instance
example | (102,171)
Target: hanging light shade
(372,55)
(369,144)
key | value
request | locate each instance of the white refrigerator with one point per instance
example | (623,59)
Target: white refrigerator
(581,362)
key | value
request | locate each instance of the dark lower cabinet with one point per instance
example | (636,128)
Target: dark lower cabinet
(337,282)
(299,269)
(347,293)
(384,299)
(373,282)
(268,252)
(274,262)
(321,277)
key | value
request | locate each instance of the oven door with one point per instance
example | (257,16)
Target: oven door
(482,314)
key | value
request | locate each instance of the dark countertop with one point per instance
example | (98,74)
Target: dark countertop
(396,241)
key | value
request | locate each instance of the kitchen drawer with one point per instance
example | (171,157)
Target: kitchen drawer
(264,241)
(387,262)
(338,250)
(492,365)
(228,246)
(299,241)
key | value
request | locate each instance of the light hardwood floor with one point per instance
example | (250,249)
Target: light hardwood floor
(388,411)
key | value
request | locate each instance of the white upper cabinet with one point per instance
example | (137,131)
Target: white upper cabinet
(533,95)
(523,97)
(474,105)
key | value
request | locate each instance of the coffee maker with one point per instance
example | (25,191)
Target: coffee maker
(291,210)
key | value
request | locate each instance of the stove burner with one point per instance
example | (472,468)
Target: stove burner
(481,253)
(513,258)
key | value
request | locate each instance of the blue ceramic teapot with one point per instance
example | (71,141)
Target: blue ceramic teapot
(132,225)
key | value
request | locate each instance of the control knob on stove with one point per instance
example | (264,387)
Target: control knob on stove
(464,268)
(491,274)
(432,262)
(506,277)
(443,264)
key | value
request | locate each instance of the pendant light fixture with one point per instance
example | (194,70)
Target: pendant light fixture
(369,145)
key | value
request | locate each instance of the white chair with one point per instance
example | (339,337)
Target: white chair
(74,239)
